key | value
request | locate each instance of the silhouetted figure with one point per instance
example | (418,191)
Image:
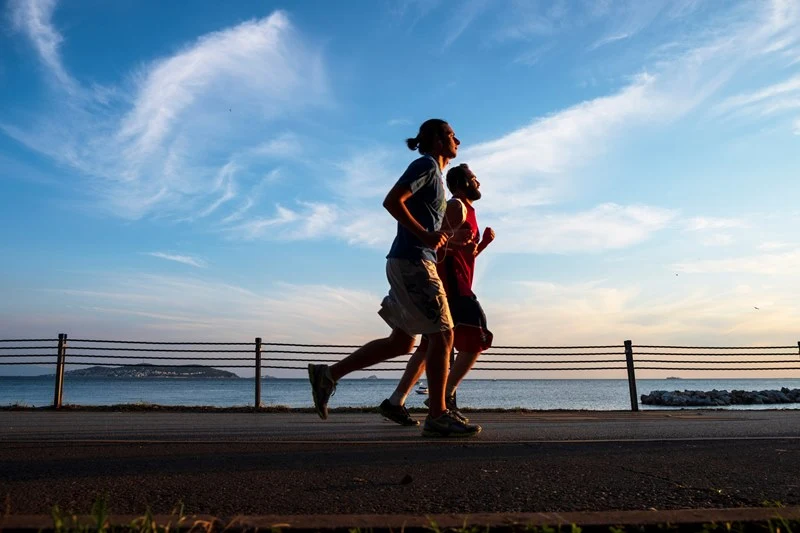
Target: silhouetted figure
(456,269)
(416,303)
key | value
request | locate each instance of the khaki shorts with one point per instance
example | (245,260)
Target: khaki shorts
(416,303)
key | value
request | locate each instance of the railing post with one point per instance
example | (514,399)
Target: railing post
(258,372)
(62,352)
(631,375)
(452,362)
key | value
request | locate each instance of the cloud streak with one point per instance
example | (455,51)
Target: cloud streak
(184,259)
(34,19)
(765,264)
(169,153)
(605,227)
(711,223)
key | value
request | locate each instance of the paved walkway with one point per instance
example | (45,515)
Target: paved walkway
(226,464)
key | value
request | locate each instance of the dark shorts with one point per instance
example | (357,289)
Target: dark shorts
(470,331)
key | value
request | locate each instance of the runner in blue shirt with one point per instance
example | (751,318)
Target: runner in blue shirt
(416,303)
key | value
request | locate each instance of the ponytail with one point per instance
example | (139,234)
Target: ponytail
(429,133)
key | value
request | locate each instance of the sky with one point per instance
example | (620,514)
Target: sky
(216,172)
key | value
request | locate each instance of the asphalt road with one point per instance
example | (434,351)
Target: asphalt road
(226,464)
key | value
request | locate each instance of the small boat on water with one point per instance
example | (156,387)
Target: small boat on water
(422,388)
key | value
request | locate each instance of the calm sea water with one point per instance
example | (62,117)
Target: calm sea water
(601,394)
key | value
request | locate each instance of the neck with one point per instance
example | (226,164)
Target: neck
(440,159)
(463,198)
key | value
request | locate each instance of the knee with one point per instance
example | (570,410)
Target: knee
(445,338)
(449,338)
(401,342)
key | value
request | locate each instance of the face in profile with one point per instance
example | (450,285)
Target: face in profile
(473,188)
(449,142)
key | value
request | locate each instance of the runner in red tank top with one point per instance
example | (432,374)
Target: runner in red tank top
(456,267)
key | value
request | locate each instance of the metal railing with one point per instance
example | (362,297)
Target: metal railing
(296,356)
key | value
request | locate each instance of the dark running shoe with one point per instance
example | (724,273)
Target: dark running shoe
(448,425)
(322,387)
(450,405)
(396,413)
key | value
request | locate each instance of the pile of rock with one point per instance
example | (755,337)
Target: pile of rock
(693,398)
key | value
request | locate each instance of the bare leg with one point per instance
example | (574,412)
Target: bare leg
(437,363)
(374,352)
(462,365)
(414,370)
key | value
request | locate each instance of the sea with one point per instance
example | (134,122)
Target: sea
(540,394)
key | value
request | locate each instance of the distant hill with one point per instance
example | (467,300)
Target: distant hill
(151,371)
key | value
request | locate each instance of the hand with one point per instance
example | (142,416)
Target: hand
(461,237)
(434,239)
(471,248)
(488,236)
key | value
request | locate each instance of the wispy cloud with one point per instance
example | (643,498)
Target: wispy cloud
(533,56)
(366,175)
(711,223)
(184,259)
(596,312)
(606,227)
(767,264)
(165,307)
(526,20)
(225,185)
(462,17)
(399,122)
(544,162)
(774,245)
(628,19)
(170,152)
(286,145)
(765,96)
(528,165)
(309,220)
(34,19)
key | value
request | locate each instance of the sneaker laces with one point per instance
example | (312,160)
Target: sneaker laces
(331,381)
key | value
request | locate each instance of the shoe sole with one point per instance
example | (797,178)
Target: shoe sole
(317,408)
(404,424)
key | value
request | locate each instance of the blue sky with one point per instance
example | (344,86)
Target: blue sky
(217,174)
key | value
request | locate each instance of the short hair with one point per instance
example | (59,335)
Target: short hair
(458,177)
(429,132)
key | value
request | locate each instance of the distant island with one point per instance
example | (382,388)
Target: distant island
(151,371)
(673,377)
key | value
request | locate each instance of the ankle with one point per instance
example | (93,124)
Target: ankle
(397,398)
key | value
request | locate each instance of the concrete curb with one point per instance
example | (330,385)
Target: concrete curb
(341,522)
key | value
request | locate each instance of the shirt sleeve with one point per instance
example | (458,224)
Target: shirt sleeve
(418,174)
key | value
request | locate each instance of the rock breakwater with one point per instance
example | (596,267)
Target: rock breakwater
(696,398)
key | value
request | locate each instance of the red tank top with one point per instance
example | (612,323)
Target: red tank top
(458,267)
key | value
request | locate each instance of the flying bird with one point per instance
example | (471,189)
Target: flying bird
(756,308)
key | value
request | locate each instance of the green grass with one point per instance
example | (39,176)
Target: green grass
(100,520)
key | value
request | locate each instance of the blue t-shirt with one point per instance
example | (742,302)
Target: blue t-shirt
(426,204)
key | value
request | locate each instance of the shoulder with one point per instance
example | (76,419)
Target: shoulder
(424,164)
(456,204)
